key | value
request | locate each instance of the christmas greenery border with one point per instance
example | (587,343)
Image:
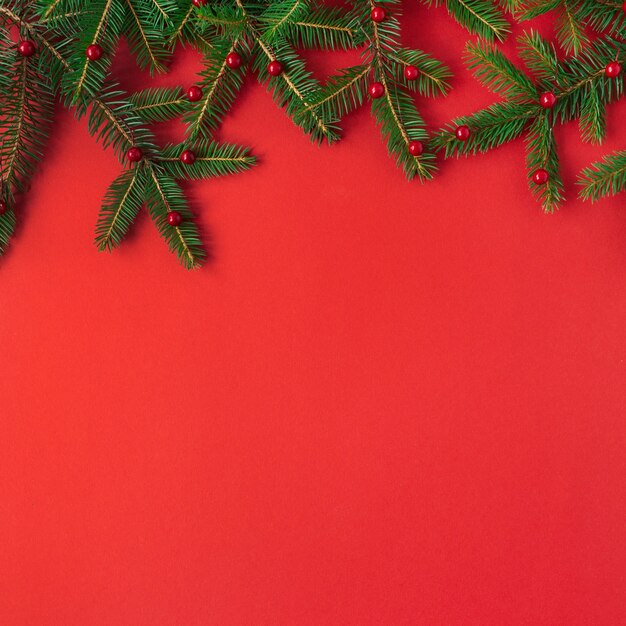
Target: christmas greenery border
(62,49)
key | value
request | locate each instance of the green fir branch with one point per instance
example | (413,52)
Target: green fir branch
(604,178)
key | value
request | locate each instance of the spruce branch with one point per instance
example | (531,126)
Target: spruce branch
(604,178)
(576,88)
(479,17)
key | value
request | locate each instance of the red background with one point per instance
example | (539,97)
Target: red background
(380,403)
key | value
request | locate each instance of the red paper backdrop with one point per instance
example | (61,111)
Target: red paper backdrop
(380,403)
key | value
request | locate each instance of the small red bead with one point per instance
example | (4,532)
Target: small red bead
(377,90)
(198,3)
(416,148)
(547,100)
(411,72)
(94,52)
(188,157)
(540,177)
(463,133)
(3,207)
(378,14)
(134,154)
(26,48)
(174,218)
(233,60)
(275,68)
(194,93)
(613,69)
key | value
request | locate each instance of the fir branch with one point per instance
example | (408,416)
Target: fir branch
(220,86)
(211,159)
(327,28)
(122,202)
(101,25)
(400,124)
(163,195)
(342,93)
(145,37)
(433,78)
(541,153)
(279,15)
(479,17)
(159,104)
(497,73)
(604,178)
(491,127)
(293,89)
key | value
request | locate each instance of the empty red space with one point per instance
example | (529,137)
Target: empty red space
(379,402)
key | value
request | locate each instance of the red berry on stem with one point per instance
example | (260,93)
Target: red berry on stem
(188,157)
(174,218)
(275,68)
(541,177)
(378,14)
(26,48)
(411,72)
(547,100)
(463,133)
(94,52)
(416,148)
(3,207)
(233,60)
(613,69)
(194,93)
(134,154)
(198,3)
(377,90)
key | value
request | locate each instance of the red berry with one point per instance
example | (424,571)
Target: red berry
(188,157)
(26,48)
(174,218)
(540,177)
(198,3)
(547,100)
(3,207)
(194,93)
(411,72)
(624,7)
(377,90)
(416,148)
(613,69)
(233,60)
(134,154)
(275,68)
(378,14)
(94,52)
(463,133)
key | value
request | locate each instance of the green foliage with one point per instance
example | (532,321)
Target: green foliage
(604,178)
(262,31)
(122,202)
(575,17)
(164,195)
(480,17)
(582,92)
(159,104)
(541,153)
(212,159)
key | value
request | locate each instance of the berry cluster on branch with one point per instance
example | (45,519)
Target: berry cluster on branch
(62,50)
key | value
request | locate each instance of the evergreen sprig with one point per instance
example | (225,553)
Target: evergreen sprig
(113,118)
(384,61)
(574,18)
(604,178)
(235,37)
(580,89)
